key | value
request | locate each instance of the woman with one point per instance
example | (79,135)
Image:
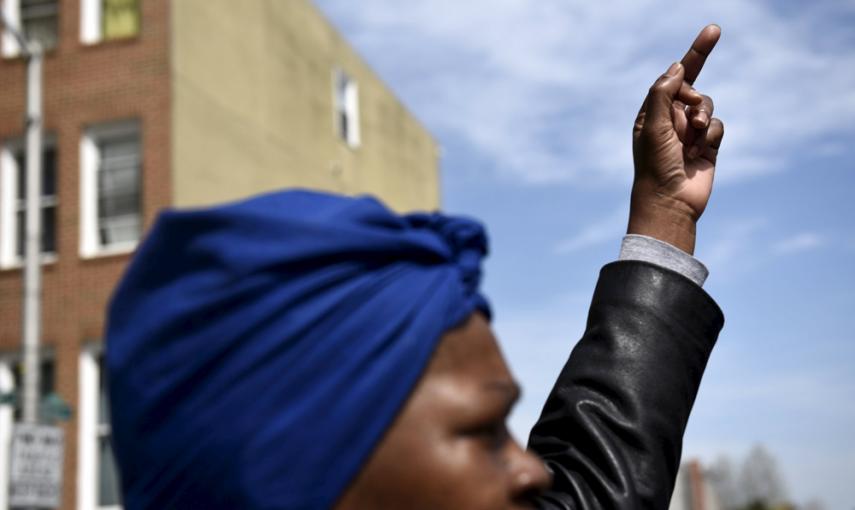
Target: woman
(302,350)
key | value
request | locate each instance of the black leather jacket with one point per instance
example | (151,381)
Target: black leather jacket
(611,430)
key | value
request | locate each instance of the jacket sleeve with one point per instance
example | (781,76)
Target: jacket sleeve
(611,430)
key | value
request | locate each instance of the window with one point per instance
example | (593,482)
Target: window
(10,408)
(109,19)
(98,477)
(37,19)
(346,106)
(46,381)
(13,201)
(111,197)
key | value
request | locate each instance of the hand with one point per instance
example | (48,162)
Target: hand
(675,144)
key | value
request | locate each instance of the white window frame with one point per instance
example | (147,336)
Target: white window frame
(349,105)
(90,247)
(12,13)
(91,12)
(89,430)
(9,170)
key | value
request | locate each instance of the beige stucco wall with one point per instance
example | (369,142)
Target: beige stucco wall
(253,110)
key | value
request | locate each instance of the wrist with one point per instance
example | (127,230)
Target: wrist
(663,218)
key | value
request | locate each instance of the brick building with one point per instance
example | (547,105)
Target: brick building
(150,104)
(694,490)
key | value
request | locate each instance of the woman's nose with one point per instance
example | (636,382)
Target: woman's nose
(529,474)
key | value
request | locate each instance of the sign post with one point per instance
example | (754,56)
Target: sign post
(36,465)
(31,330)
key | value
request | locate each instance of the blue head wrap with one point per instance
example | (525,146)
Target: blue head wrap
(258,351)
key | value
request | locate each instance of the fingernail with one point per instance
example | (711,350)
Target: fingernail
(700,121)
(674,69)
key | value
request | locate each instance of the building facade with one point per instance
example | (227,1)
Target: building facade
(153,104)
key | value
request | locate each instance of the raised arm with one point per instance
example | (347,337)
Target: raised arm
(611,430)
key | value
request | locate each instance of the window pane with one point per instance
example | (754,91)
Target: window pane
(49,229)
(103,402)
(21,162)
(346,107)
(46,383)
(121,18)
(119,218)
(342,126)
(39,20)
(341,90)
(49,172)
(119,230)
(48,200)
(341,104)
(108,474)
(108,481)
(20,225)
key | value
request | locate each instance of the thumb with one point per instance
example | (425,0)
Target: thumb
(662,94)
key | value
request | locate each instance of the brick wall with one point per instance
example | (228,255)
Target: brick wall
(87,85)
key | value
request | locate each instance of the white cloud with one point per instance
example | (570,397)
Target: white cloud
(798,243)
(549,89)
(737,240)
(605,230)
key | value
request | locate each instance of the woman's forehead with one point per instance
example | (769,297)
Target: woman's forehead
(470,351)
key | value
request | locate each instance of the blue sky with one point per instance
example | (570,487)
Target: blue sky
(533,104)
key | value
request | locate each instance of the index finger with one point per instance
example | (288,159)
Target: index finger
(697,54)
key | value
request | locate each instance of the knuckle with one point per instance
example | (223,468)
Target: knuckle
(659,85)
(705,105)
(716,133)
